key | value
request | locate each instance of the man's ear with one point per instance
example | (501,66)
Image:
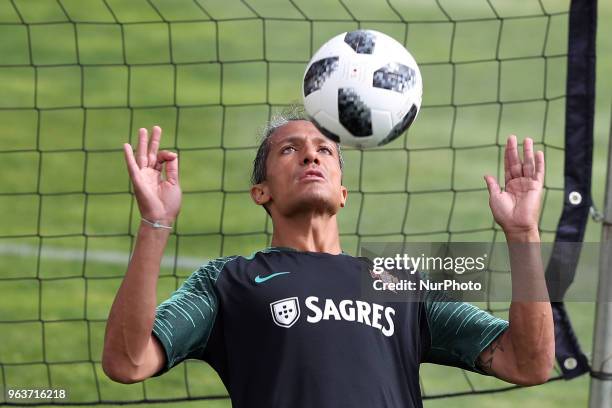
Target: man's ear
(344,192)
(260,193)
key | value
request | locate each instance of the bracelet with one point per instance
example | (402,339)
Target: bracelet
(156,224)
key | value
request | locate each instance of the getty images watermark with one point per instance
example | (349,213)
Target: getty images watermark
(480,271)
(426,264)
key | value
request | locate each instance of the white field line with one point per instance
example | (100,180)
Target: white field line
(110,257)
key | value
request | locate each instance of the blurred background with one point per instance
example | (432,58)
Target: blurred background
(79,77)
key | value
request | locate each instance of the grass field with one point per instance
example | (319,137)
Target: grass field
(81,77)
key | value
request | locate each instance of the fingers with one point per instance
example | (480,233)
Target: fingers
(532,165)
(141,150)
(512,162)
(528,159)
(492,185)
(164,156)
(539,166)
(146,153)
(154,146)
(129,160)
(172,167)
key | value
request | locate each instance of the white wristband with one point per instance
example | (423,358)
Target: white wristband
(156,224)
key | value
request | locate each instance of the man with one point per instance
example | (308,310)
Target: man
(286,327)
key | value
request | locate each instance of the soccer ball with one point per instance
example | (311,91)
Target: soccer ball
(362,89)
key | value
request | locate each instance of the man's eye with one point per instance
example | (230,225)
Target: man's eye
(288,149)
(326,150)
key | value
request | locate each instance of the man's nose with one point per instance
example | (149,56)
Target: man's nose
(310,155)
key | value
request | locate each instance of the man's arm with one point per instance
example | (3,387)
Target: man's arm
(131,352)
(524,353)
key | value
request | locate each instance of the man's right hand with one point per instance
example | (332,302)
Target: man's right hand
(159,198)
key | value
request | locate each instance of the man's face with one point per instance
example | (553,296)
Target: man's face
(303,172)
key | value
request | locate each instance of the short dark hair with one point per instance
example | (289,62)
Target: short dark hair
(259,164)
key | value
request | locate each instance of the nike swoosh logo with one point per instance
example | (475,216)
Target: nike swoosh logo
(260,279)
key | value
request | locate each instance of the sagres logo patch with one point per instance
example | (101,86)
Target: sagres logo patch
(285,312)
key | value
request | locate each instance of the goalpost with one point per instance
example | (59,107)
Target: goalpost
(601,372)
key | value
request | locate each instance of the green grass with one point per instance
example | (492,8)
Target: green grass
(65,185)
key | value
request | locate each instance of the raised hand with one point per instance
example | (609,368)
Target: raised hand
(158,195)
(517,208)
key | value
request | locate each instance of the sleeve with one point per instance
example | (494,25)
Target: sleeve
(458,331)
(184,322)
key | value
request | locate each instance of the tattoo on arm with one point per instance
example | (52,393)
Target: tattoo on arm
(484,361)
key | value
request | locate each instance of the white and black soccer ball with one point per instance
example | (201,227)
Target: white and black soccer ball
(362,88)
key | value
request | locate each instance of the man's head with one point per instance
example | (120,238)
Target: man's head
(297,169)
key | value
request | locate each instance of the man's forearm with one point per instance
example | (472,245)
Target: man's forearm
(527,270)
(531,325)
(132,315)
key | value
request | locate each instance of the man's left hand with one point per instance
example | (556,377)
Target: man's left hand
(517,208)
